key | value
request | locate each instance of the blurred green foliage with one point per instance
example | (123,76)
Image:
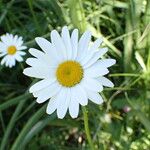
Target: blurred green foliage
(123,121)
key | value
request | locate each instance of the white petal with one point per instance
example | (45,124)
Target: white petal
(15,39)
(21,47)
(58,44)
(5,40)
(91,51)
(105,62)
(74,41)
(18,58)
(43,43)
(43,59)
(95,57)
(64,100)
(34,62)
(67,41)
(41,84)
(104,81)
(94,97)
(48,48)
(9,61)
(79,94)
(21,53)
(96,44)
(83,45)
(95,71)
(73,106)
(4,60)
(89,55)
(40,69)
(36,53)
(52,105)
(40,73)
(3,54)
(48,92)
(3,47)
(12,61)
(92,84)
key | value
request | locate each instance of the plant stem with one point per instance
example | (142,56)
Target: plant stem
(30,3)
(6,10)
(11,125)
(86,126)
(31,122)
(13,101)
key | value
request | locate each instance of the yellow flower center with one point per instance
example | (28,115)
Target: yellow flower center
(11,50)
(69,73)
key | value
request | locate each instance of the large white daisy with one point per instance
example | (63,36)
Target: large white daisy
(11,49)
(70,70)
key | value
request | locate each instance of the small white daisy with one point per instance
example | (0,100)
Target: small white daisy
(70,70)
(11,49)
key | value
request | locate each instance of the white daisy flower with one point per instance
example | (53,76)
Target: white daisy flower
(70,70)
(11,49)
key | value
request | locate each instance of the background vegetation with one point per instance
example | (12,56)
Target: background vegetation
(123,121)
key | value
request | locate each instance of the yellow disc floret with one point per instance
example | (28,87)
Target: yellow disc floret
(69,73)
(11,50)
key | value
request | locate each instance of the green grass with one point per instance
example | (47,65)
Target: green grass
(125,27)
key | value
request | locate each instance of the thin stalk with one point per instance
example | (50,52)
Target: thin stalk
(2,122)
(124,74)
(32,121)
(34,16)
(37,128)
(6,10)
(11,125)
(86,126)
(13,101)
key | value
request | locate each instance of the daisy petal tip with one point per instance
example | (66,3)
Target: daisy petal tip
(100,102)
(76,30)
(65,28)
(25,47)
(39,40)
(47,111)
(54,32)
(30,50)
(105,49)
(39,101)
(100,40)
(84,104)
(30,90)
(114,61)
(60,117)
(88,32)
(111,85)
(74,116)
(24,72)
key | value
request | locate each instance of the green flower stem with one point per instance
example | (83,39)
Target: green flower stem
(30,3)
(31,122)
(6,10)
(13,101)
(11,125)
(86,126)
(37,128)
